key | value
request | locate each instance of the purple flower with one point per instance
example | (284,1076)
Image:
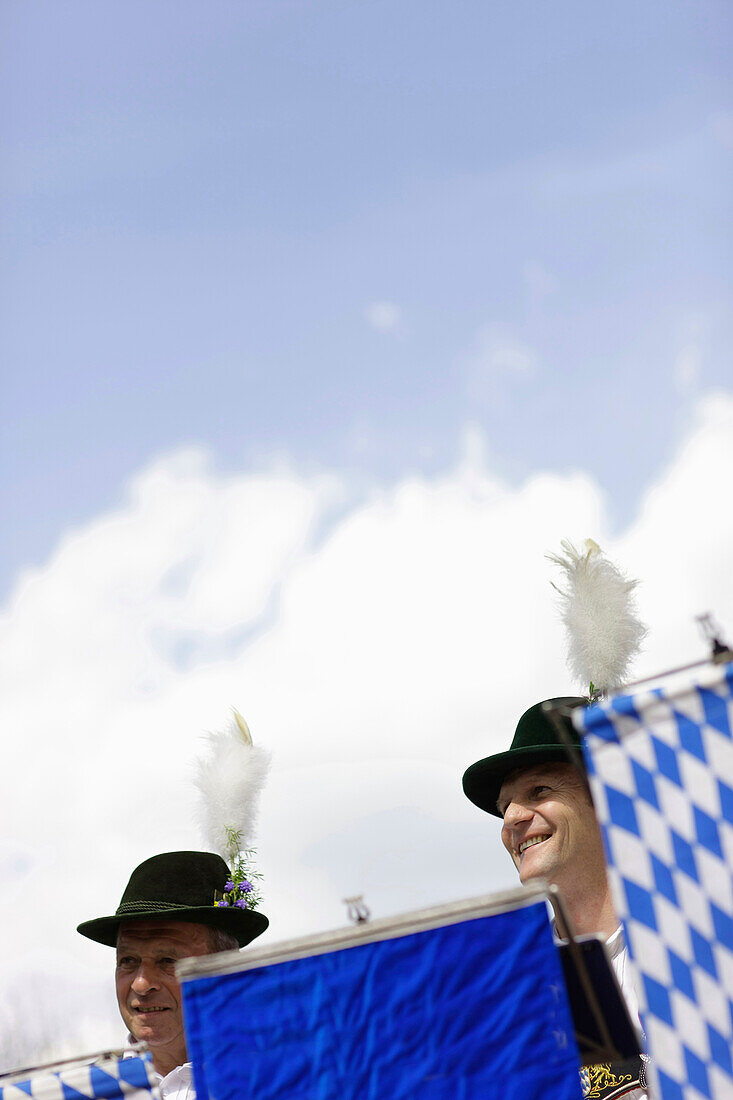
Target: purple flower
(220,903)
(245,887)
(241,903)
(229,885)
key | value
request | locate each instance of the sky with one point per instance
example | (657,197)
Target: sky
(322,323)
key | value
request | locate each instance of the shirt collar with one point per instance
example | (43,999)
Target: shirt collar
(181,1075)
(615,942)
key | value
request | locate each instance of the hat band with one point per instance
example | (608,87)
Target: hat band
(148,906)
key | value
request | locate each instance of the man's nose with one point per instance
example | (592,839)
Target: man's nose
(144,980)
(515,813)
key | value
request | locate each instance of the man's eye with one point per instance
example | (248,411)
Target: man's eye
(539,790)
(126,961)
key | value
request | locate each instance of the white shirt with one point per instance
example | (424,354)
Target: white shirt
(619,952)
(622,967)
(178,1084)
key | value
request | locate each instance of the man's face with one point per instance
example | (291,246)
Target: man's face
(147,991)
(550,828)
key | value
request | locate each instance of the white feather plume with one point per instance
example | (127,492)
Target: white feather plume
(229,780)
(599,613)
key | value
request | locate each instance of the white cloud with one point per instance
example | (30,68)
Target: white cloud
(383,316)
(376,655)
(682,540)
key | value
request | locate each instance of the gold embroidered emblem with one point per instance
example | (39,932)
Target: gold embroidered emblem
(600,1081)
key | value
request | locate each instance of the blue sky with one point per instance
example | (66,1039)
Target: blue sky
(321,324)
(205,204)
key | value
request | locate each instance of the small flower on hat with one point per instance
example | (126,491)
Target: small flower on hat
(230,780)
(240,891)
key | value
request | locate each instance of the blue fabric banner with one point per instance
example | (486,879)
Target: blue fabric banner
(467,1011)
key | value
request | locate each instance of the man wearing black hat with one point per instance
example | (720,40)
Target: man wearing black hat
(175,905)
(551,832)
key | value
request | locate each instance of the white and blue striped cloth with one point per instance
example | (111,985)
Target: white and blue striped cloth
(131,1078)
(661,772)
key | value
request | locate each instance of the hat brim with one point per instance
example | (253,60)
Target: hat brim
(244,924)
(482,781)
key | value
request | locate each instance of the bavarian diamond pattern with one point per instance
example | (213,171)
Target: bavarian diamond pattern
(661,769)
(129,1078)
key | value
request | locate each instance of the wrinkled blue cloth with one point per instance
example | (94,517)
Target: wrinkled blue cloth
(468,1011)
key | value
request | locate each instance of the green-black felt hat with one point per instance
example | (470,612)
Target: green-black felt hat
(536,741)
(178,886)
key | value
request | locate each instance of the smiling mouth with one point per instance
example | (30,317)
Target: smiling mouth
(531,842)
(150,1008)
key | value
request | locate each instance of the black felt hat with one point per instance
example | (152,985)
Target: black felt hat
(536,741)
(178,886)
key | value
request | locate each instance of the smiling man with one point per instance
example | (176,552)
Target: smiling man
(171,909)
(550,830)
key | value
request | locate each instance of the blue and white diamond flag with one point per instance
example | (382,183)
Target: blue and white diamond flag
(129,1078)
(661,772)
